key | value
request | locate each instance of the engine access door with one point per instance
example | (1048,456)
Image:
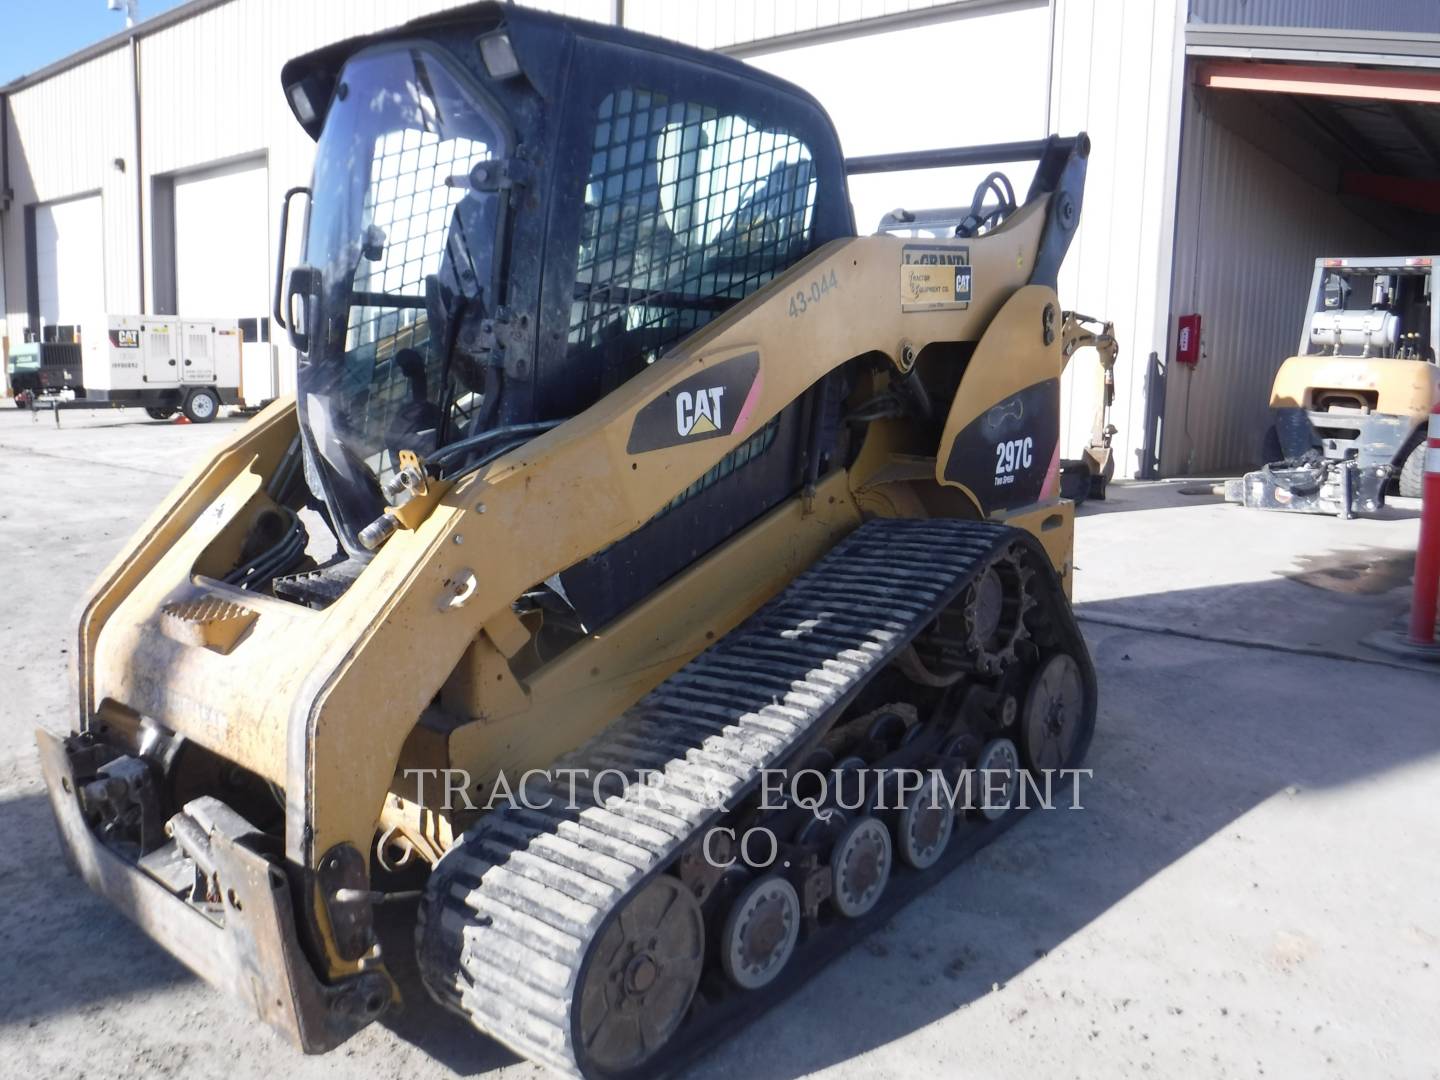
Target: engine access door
(197,352)
(160,355)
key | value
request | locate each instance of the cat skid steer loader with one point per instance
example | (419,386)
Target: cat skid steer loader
(636,531)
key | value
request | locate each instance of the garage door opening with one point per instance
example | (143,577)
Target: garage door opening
(68,262)
(212,230)
(1283,164)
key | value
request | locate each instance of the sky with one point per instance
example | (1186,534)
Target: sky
(39,32)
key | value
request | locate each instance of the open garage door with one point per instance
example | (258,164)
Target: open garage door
(222,249)
(932,99)
(1282,164)
(70,261)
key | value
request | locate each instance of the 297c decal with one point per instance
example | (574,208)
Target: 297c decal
(1011,456)
(1003,455)
(715,401)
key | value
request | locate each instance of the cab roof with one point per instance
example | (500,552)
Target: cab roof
(541,42)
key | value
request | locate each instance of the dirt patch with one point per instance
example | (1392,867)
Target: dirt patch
(1367,573)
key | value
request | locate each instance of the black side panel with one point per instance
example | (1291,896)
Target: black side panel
(1004,454)
(758,475)
(707,405)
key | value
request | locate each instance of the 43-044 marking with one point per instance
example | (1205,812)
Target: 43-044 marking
(817,290)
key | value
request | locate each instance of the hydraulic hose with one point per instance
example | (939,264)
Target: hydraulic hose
(447,454)
(274,560)
(497,452)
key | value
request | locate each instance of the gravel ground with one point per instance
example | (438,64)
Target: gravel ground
(1251,887)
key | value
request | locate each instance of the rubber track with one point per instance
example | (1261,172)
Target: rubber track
(513,908)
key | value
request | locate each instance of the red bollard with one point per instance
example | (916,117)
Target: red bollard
(1427,555)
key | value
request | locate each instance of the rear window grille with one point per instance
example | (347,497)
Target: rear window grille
(687,210)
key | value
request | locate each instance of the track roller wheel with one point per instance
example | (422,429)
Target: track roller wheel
(852,781)
(1054,714)
(760,932)
(822,829)
(860,867)
(923,828)
(998,773)
(641,976)
(887,729)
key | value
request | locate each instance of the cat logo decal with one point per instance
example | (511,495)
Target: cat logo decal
(699,413)
(716,401)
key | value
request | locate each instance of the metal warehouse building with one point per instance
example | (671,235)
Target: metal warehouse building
(1235,141)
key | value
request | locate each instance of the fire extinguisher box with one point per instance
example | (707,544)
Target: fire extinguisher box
(1187,340)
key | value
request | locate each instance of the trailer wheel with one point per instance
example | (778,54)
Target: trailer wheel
(159,414)
(201,406)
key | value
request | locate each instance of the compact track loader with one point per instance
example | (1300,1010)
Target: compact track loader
(636,533)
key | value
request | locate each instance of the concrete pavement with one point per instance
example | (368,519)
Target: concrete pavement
(1251,887)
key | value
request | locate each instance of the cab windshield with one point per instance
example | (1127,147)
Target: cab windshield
(402,237)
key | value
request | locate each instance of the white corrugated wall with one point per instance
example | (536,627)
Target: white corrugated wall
(66,136)
(1257,208)
(720,24)
(1115,75)
(1009,47)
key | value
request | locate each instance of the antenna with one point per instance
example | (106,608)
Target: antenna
(131,8)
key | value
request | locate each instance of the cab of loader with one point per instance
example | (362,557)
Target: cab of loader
(509,220)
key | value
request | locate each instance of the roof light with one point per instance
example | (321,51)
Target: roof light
(498,54)
(300,102)
(1417,262)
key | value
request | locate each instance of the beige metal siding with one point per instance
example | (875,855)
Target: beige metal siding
(1115,76)
(1251,226)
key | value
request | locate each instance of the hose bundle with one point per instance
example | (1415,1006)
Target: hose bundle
(259,571)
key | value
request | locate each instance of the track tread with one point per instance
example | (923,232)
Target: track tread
(741,706)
